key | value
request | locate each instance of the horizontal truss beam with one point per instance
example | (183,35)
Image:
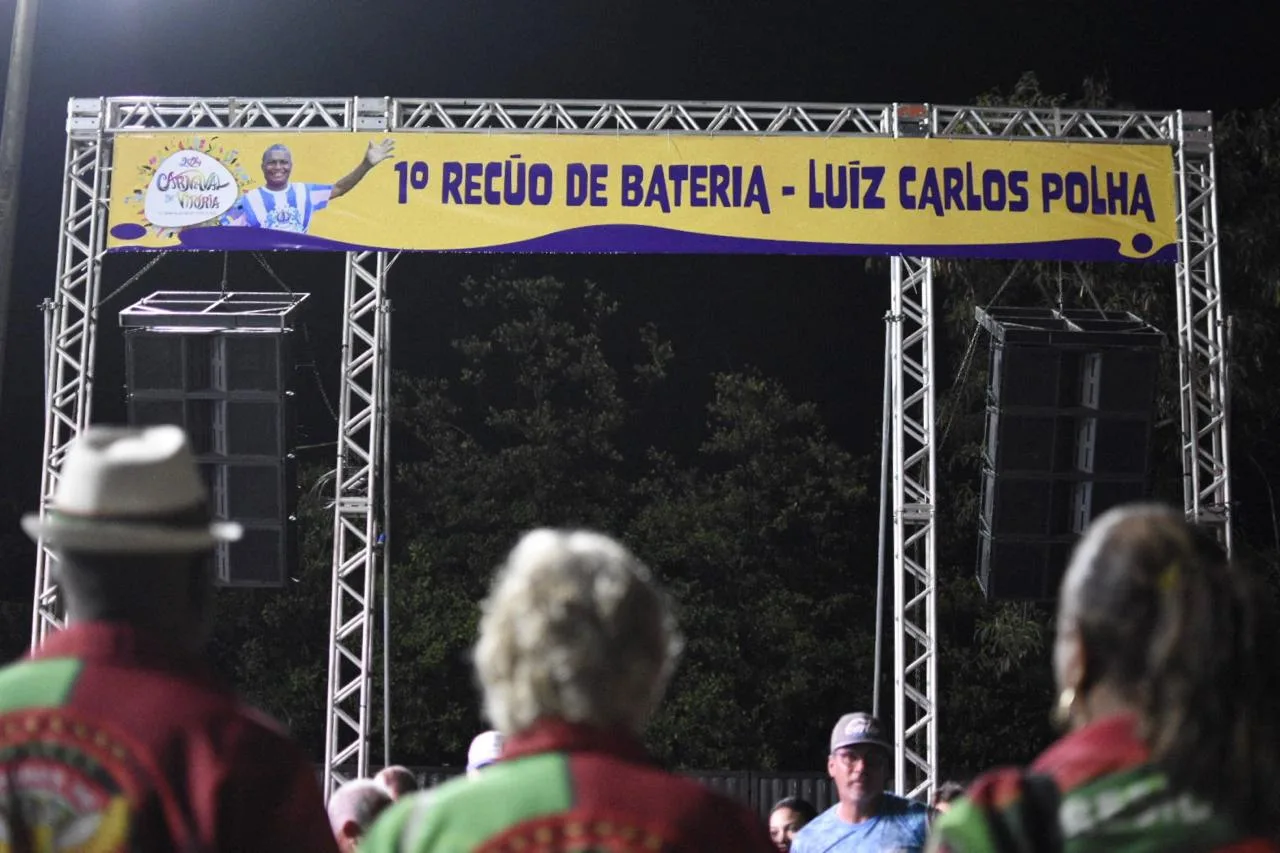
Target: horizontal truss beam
(142,114)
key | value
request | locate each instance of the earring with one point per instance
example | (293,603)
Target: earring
(1062,711)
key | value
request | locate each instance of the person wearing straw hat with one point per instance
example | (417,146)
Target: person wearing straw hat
(113,733)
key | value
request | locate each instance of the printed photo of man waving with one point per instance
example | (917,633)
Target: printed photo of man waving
(284,205)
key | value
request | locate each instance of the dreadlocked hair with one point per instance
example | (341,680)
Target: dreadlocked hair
(1178,630)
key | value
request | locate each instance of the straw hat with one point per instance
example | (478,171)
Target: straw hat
(130,490)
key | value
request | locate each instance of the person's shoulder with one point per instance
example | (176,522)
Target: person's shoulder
(810,838)
(824,818)
(1002,803)
(997,789)
(458,789)
(905,820)
(246,735)
(399,823)
(460,813)
(896,805)
(28,682)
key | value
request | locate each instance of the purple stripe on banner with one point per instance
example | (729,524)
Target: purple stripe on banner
(648,240)
(231,239)
(643,239)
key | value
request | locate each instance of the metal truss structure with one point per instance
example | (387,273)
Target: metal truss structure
(357,520)
(1202,332)
(914,489)
(185,309)
(361,463)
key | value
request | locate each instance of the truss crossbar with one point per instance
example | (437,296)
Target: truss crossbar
(1202,335)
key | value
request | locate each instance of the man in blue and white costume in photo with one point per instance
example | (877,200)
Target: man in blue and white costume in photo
(284,205)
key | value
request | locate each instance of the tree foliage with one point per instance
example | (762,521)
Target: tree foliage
(1248,166)
(764,540)
(544,414)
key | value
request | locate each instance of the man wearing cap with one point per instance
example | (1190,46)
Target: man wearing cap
(486,748)
(866,817)
(113,733)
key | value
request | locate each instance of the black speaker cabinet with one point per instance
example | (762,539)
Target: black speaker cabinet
(229,388)
(1070,398)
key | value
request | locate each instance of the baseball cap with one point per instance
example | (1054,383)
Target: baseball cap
(486,748)
(858,728)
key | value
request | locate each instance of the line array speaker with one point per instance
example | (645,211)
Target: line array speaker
(1070,398)
(229,388)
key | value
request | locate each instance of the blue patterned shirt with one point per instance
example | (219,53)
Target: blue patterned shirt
(899,825)
(288,209)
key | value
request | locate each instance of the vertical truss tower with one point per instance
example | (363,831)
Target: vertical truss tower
(361,463)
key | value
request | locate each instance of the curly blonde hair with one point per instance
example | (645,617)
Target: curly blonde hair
(574,628)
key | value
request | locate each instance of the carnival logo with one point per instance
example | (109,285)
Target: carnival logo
(188,188)
(66,785)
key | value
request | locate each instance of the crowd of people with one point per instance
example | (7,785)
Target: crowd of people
(114,736)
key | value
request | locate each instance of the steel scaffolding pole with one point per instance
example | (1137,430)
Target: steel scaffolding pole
(69,359)
(1203,344)
(356,518)
(915,588)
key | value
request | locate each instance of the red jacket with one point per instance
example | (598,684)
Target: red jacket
(1094,790)
(563,787)
(109,741)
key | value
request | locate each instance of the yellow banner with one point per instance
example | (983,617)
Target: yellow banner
(513,192)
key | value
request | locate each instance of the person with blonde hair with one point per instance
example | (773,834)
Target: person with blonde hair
(1167,702)
(577,643)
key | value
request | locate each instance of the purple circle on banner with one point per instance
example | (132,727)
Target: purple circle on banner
(128,231)
(1142,243)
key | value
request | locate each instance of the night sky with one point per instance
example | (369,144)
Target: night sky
(814,322)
